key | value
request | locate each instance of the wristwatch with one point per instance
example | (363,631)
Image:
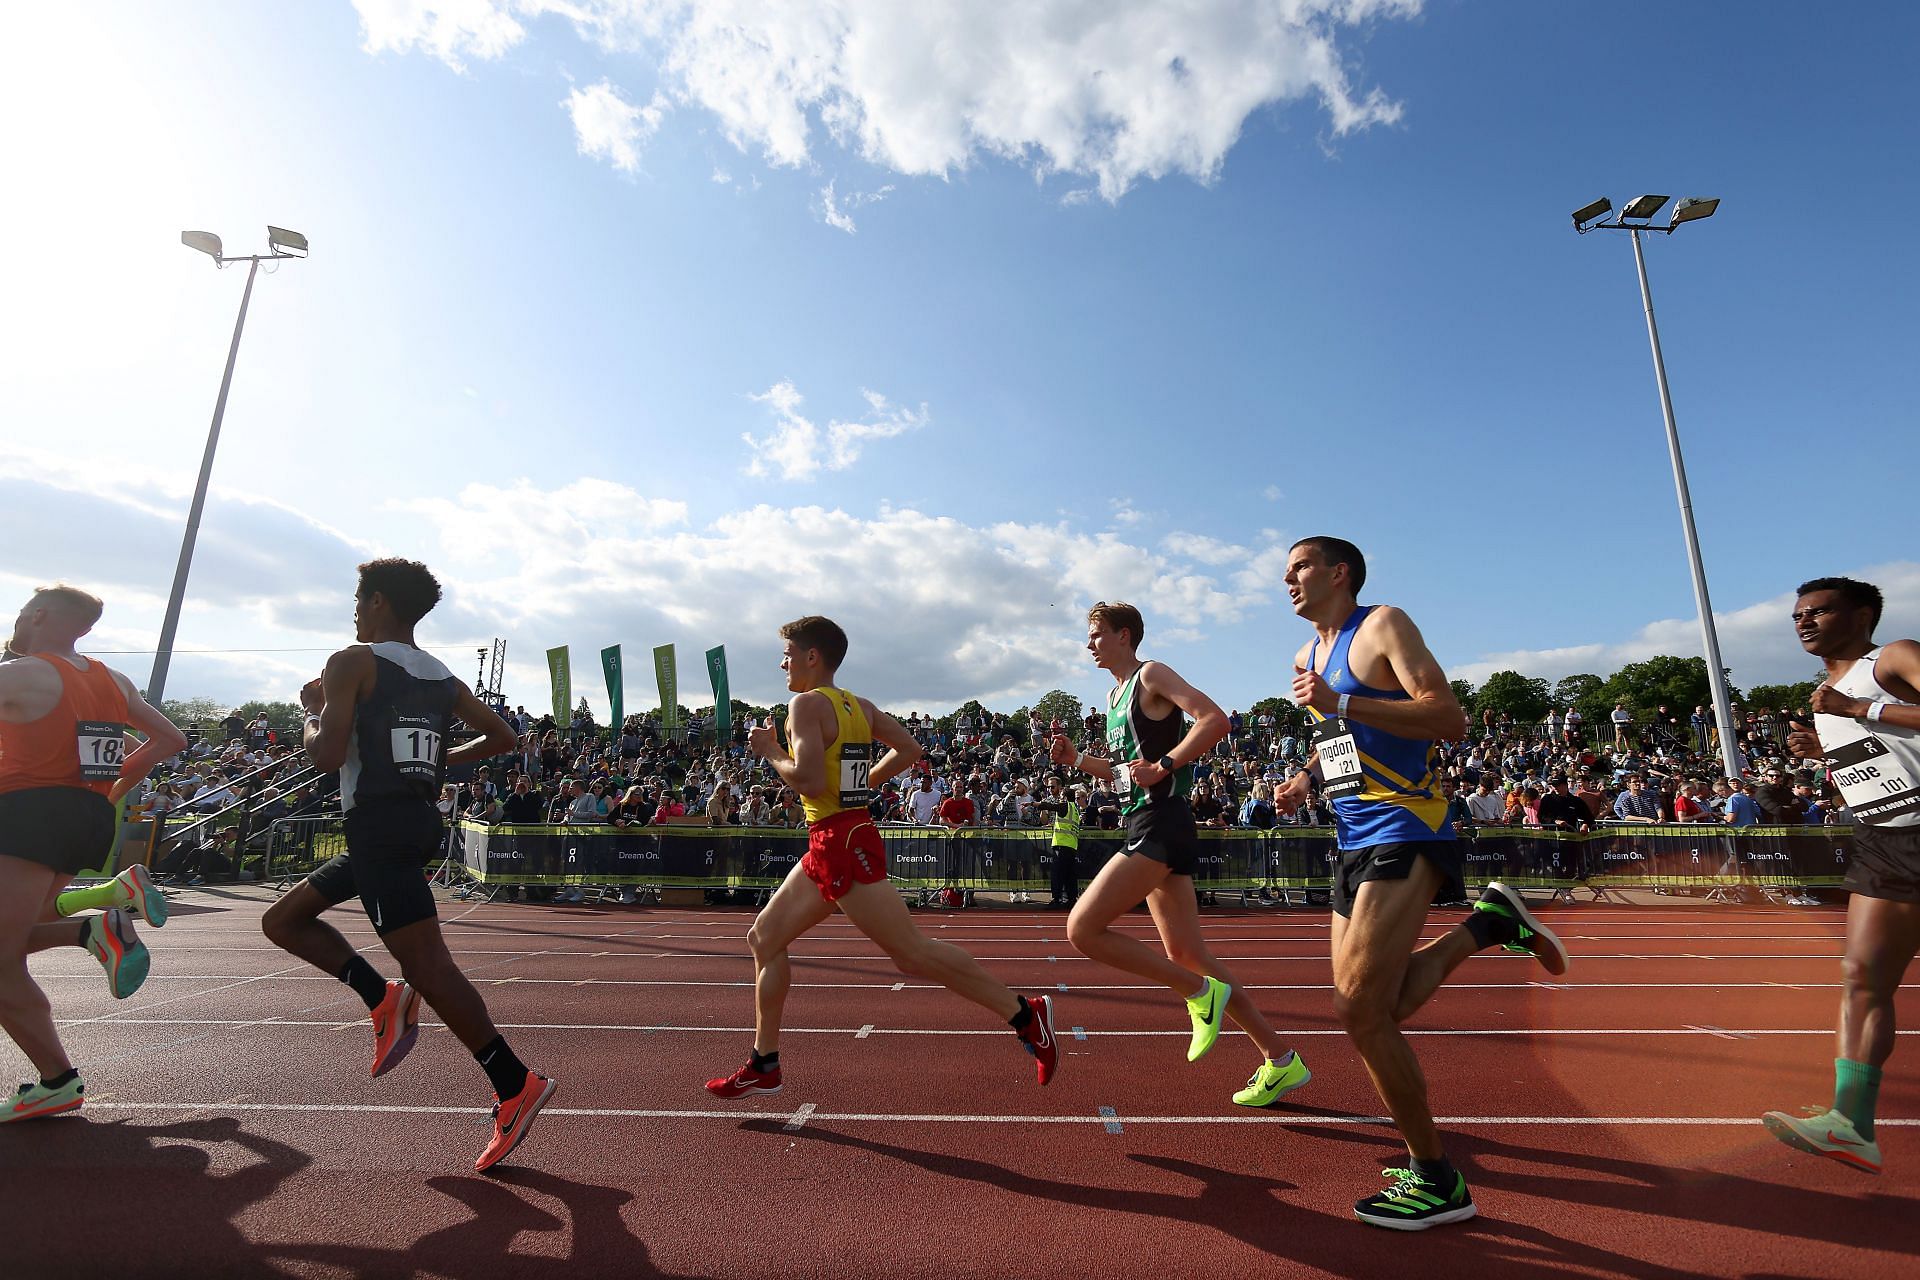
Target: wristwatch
(1166,762)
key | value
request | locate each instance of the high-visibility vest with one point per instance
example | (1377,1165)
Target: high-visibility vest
(1066,828)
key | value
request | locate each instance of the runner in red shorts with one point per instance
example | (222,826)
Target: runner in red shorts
(833,767)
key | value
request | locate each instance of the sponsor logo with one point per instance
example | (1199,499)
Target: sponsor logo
(1623,857)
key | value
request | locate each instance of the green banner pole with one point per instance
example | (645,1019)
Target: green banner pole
(669,680)
(616,688)
(722,700)
(562,674)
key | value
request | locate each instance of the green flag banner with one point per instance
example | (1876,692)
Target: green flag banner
(722,702)
(669,678)
(562,686)
(616,687)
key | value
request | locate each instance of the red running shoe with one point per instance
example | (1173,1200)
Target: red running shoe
(745,1081)
(396,1025)
(512,1117)
(1038,1039)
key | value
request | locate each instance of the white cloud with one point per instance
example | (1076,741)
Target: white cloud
(1756,641)
(798,448)
(1197,546)
(1125,513)
(608,127)
(1272,493)
(1106,93)
(839,213)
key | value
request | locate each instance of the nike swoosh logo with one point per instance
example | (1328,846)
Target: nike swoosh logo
(1837,1140)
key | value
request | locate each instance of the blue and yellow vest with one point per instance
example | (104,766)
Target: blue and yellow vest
(1399,796)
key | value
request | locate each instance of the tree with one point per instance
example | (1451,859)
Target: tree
(1058,704)
(1772,697)
(1572,691)
(193,711)
(1662,680)
(1525,698)
(1286,716)
(1463,694)
(283,718)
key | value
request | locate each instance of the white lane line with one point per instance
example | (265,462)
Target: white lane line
(1110,1118)
(800,1117)
(94,976)
(1061,985)
(865,1031)
(191,995)
(335,1110)
(1721,1032)
(898,986)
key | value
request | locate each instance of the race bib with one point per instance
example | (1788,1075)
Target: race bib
(1875,785)
(1340,773)
(856,764)
(416,748)
(1122,780)
(102,746)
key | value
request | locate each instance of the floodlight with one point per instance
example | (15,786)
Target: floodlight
(293,242)
(1643,206)
(1592,213)
(1693,208)
(205,241)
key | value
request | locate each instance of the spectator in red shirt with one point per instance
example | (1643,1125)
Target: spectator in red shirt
(957,811)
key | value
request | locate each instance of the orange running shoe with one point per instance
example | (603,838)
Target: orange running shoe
(512,1117)
(396,1025)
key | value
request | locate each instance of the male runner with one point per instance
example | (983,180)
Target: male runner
(63,766)
(1379,700)
(1866,724)
(832,766)
(1151,753)
(380,714)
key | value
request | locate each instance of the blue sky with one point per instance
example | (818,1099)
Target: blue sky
(1016,318)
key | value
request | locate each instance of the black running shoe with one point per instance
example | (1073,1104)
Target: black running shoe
(1412,1203)
(1530,936)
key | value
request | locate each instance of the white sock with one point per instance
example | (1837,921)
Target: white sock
(1206,984)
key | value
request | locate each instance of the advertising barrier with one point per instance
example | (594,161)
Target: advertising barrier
(1285,858)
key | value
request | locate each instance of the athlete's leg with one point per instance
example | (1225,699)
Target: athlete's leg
(1428,967)
(877,911)
(1124,881)
(430,969)
(294,925)
(25,1014)
(1882,937)
(1373,951)
(796,906)
(1176,914)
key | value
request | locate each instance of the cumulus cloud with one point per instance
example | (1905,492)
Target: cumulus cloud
(798,448)
(839,213)
(608,127)
(1108,94)
(1197,546)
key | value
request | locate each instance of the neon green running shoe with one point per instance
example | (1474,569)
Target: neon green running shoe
(1209,1012)
(1411,1203)
(1525,934)
(33,1100)
(1825,1133)
(112,941)
(1273,1081)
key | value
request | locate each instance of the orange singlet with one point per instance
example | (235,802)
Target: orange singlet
(78,743)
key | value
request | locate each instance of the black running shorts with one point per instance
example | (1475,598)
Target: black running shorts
(388,849)
(1165,832)
(67,828)
(1395,862)
(1884,862)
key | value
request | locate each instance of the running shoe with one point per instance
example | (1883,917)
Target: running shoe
(1209,1013)
(512,1117)
(1412,1203)
(1825,1133)
(134,890)
(1271,1082)
(745,1081)
(34,1101)
(1531,938)
(1038,1039)
(396,1025)
(112,941)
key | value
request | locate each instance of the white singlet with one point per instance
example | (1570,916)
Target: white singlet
(1875,765)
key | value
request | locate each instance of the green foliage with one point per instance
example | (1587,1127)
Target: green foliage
(1058,704)
(283,717)
(1525,698)
(1463,694)
(1772,697)
(1680,684)
(187,712)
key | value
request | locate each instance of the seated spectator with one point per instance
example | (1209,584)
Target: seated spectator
(1636,804)
(1486,805)
(523,806)
(1258,812)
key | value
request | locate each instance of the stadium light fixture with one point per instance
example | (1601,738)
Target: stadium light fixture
(1583,217)
(1641,208)
(287,243)
(205,241)
(1692,209)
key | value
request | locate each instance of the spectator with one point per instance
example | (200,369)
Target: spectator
(1622,723)
(1741,809)
(1635,804)
(524,806)
(1487,805)
(1561,810)
(1776,799)
(923,802)
(957,811)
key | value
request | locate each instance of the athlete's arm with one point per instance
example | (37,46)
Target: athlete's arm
(902,749)
(1209,722)
(1063,752)
(1432,710)
(496,735)
(347,679)
(1898,671)
(810,723)
(164,740)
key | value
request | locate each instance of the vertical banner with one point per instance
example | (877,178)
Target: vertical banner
(562,686)
(616,688)
(669,679)
(722,700)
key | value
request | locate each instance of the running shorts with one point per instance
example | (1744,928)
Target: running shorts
(388,848)
(1395,862)
(67,828)
(1165,832)
(842,851)
(1884,862)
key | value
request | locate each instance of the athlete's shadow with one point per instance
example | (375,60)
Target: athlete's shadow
(57,1176)
(1247,1207)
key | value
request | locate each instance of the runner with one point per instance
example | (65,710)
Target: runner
(380,715)
(1151,769)
(1378,701)
(1866,724)
(833,735)
(63,767)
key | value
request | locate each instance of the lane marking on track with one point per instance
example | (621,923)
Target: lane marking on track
(335,1112)
(865,1031)
(800,1117)
(1110,1118)
(93,975)
(1062,986)
(898,986)
(1721,1032)
(1079,1033)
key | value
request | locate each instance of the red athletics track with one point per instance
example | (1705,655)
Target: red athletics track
(1607,1124)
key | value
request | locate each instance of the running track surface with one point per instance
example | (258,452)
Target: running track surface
(1607,1123)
